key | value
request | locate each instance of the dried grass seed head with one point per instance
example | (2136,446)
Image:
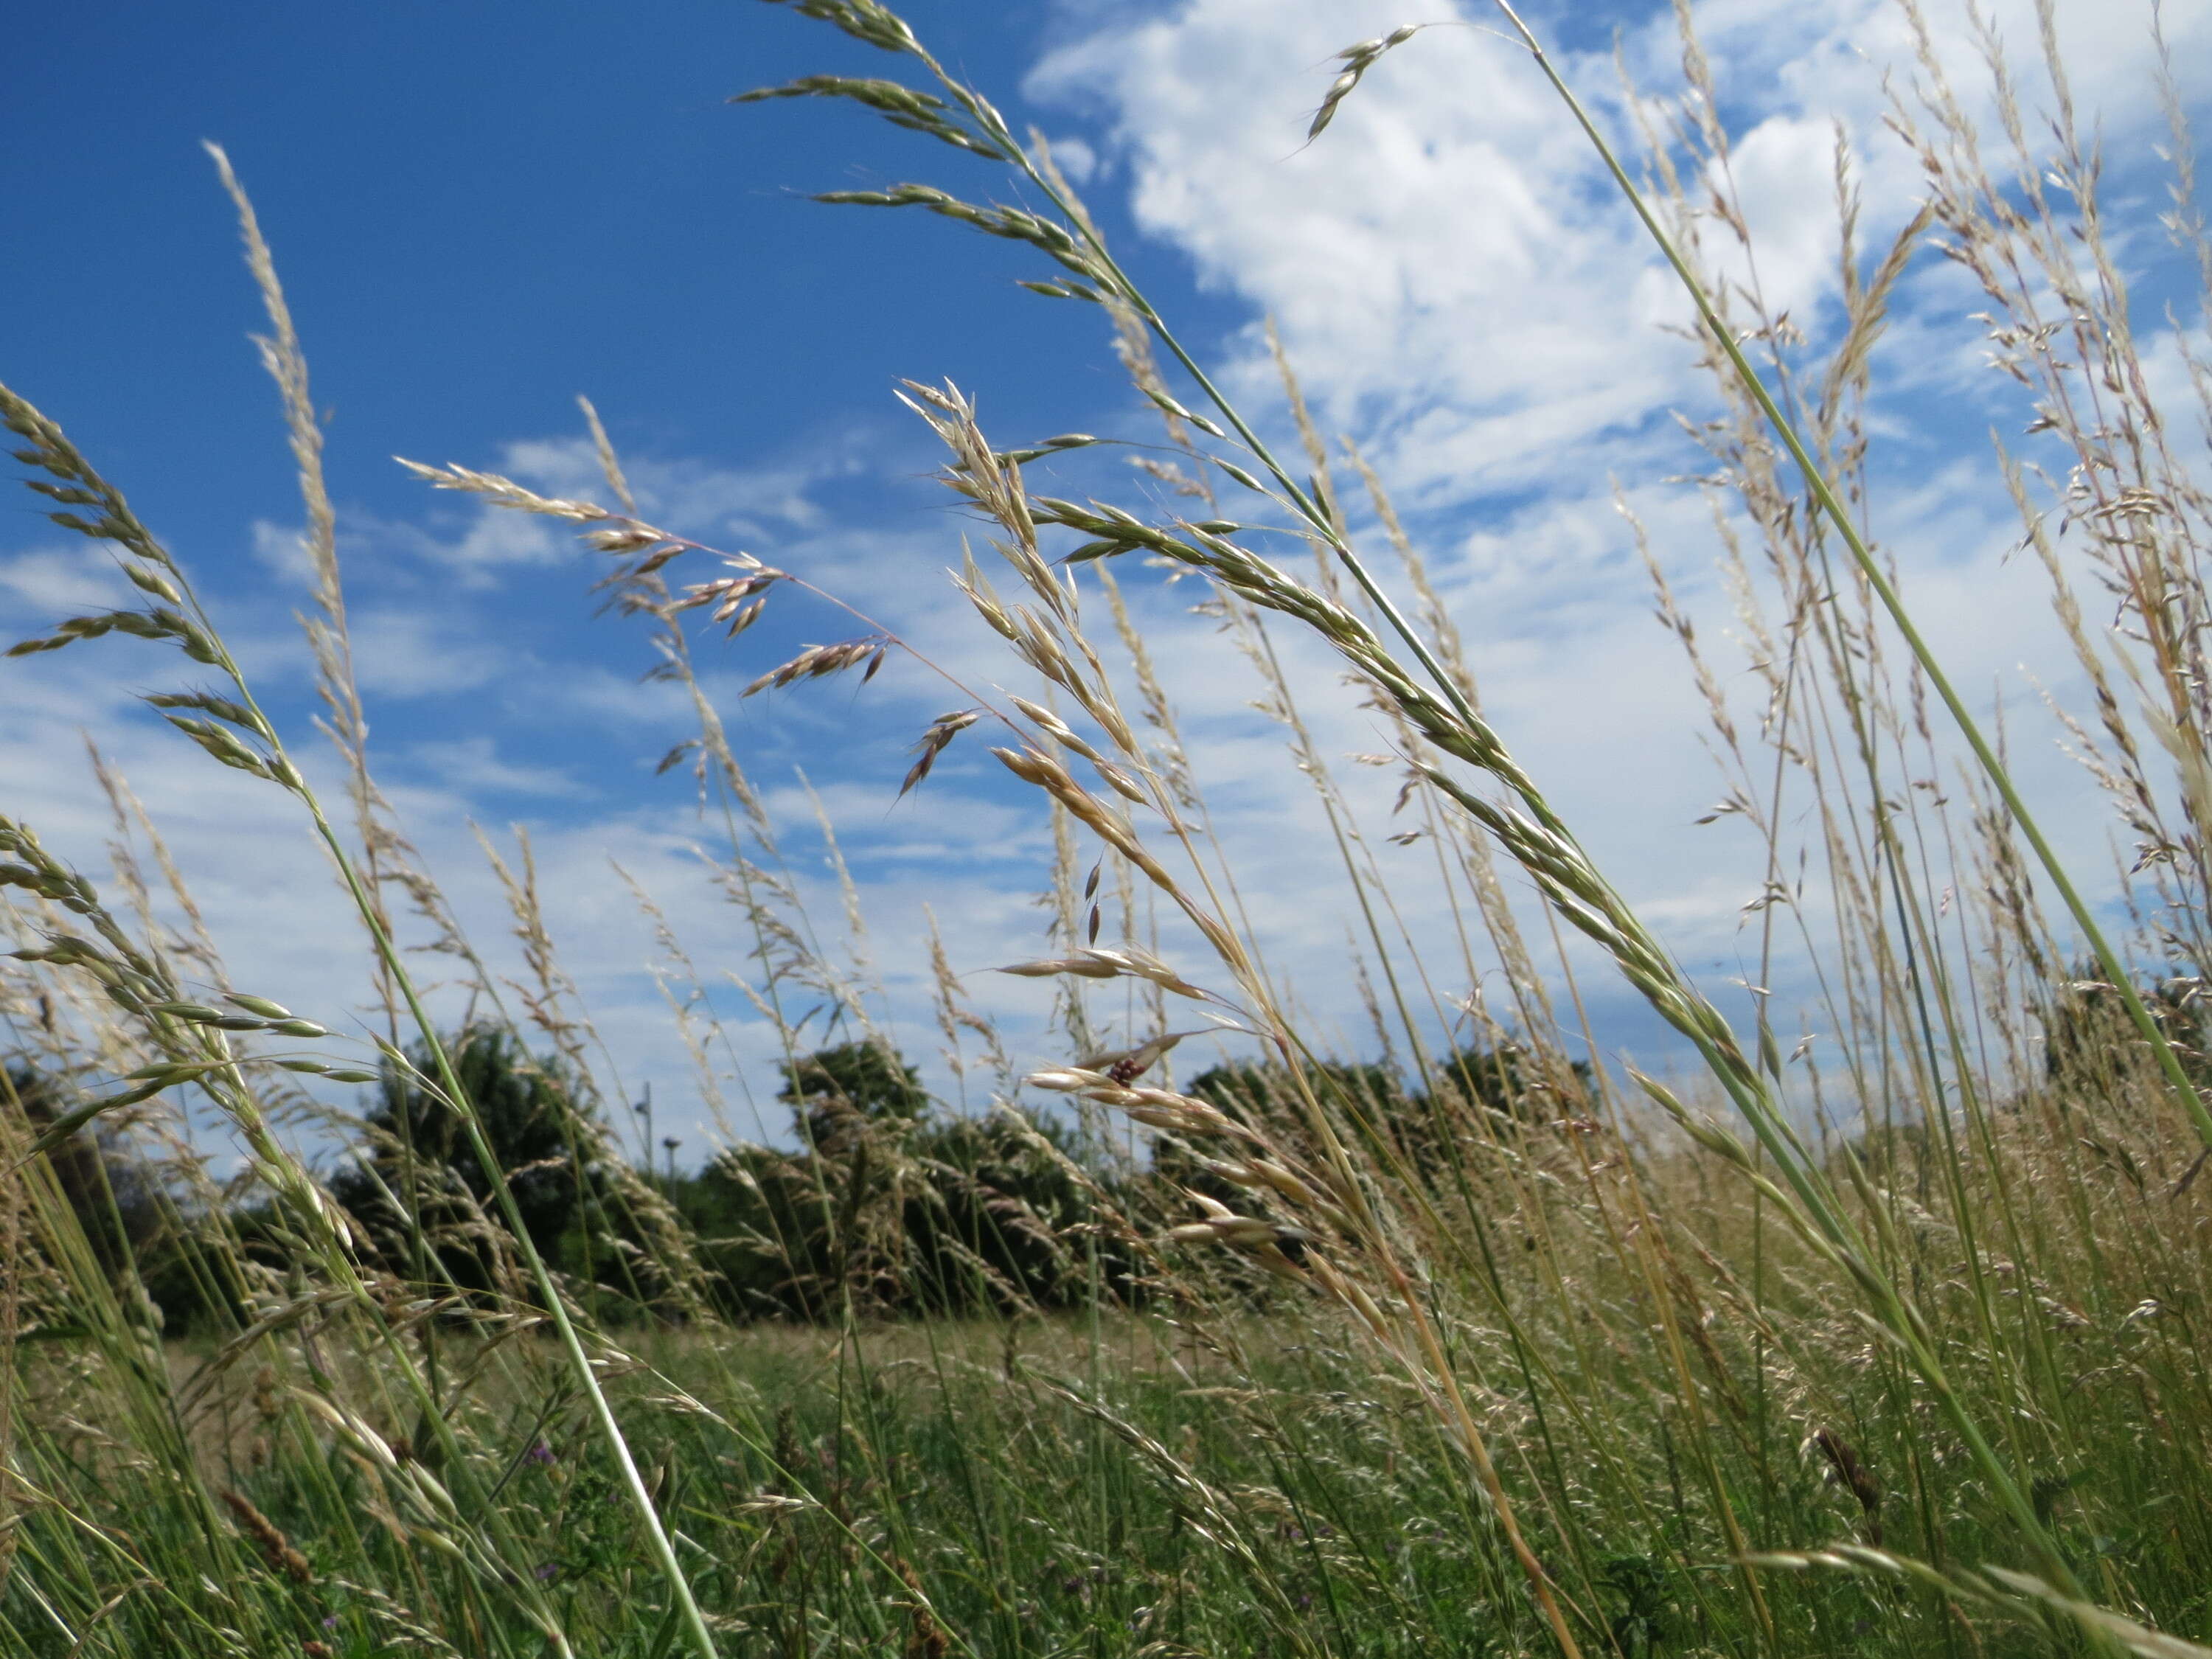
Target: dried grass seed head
(504,492)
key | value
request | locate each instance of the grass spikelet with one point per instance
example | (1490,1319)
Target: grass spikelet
(275,1549)
(935,741)
(1356,59)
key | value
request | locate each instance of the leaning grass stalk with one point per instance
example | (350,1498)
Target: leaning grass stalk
(1744,1087)
(884,29)
(1309,505)
(1543,845)
(188,620)
(1831,506)
(580,1362)
(288,363)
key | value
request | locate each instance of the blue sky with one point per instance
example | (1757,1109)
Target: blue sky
(480,211)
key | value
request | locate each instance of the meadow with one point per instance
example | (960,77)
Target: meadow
(1892,1347)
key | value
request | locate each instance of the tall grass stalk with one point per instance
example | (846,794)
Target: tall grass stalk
(1824,494)
(241,736)
(1539,842)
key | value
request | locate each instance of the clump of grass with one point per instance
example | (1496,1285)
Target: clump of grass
(1466,1350)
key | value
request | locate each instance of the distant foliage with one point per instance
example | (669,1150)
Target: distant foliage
(890,1206)
(112,1193)
(833,1091)
(2089,1039)
(417,1182)
(164,1263)
(1507,1080)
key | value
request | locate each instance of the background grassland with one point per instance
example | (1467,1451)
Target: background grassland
(1473,1348)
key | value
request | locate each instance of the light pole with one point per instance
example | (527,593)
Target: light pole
(644,1110)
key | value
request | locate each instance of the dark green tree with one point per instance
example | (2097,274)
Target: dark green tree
(1009,1215)
(1508,1080)
(2087,1033)
(831,1089)
(1259,1091)
(110,1196)
(136,1234)
(891,1208)
(805,1234)
(420,1184)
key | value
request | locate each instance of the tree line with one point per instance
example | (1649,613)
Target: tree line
(883,1202)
